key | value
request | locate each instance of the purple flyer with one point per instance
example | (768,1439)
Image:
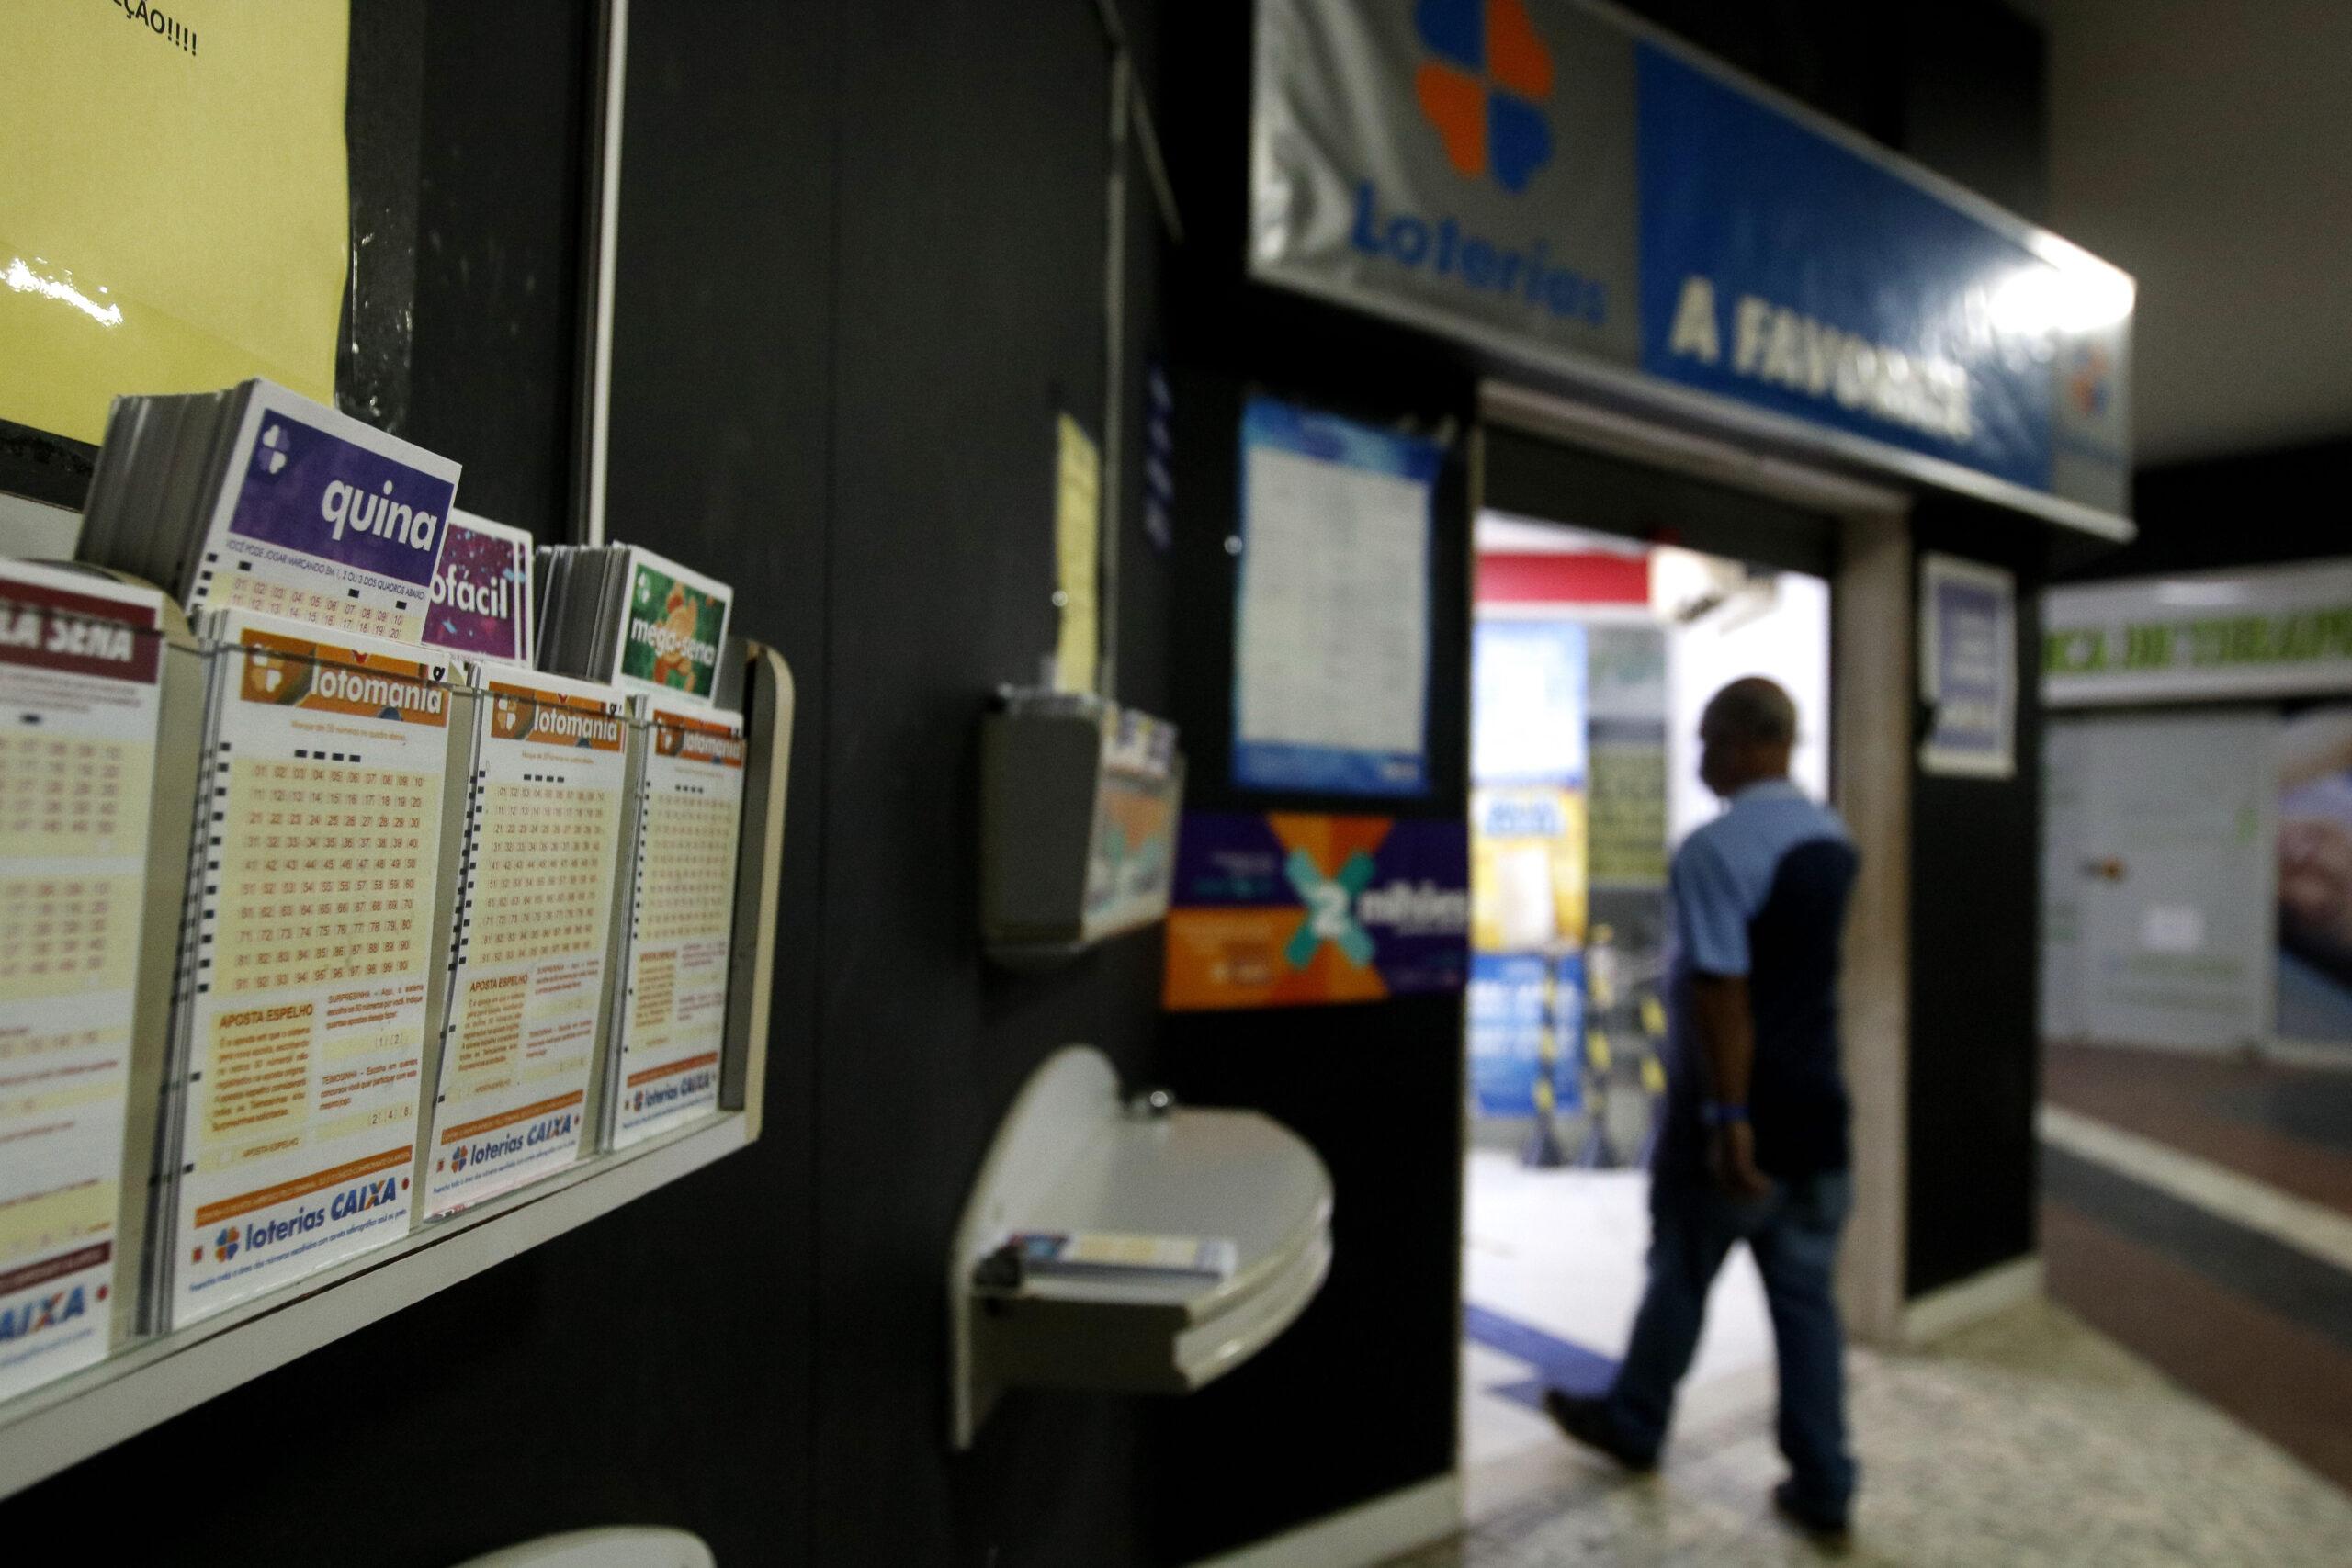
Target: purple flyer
(326,520)
(482,595)
(1285,909)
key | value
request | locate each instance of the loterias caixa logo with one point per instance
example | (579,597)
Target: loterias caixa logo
(1487,72)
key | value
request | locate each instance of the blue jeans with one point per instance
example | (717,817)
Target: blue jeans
(1793,1233)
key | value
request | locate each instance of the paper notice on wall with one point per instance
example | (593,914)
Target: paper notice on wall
(306,1014)
(1968,667)
(1331,633)
(673,1022)
(526,1000)
(80,663)
(176,216)
(1078,534)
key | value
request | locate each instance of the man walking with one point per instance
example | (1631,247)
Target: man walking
(1754,1148)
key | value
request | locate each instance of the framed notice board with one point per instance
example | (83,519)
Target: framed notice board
(1331,630)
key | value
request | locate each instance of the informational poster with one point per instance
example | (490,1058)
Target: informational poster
(80,662)
(1968,637)
(1527,702)
(2315,877)
(1133,860)
(1526,1020)
(1078,540)
(682,920)
(519,1048)
(1528,877)
(1285,909)
(178,217)
(326,755)
(1331,631)
(1626,788)
(481,592)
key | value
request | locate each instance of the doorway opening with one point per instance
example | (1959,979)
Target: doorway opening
(1593,654)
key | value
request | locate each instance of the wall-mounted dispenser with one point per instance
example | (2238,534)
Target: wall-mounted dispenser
(1078,804)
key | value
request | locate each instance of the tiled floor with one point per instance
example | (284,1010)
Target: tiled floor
(2036,1438)
(2026,1440)
(2199,1210)
(1556,1256)
(2287,1126)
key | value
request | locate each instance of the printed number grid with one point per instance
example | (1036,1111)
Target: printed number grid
(62,935)
(247,591)
(63,795)
(543,866)
(689,872)
(322,876)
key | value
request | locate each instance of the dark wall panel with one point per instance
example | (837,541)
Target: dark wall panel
(1358,1399)
(500,261)
(973,161)
(1976,953)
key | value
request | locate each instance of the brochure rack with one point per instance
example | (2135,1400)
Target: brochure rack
(149,1381)
(1072,1157)
(1078,807)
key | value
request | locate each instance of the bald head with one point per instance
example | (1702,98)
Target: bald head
(1745,735)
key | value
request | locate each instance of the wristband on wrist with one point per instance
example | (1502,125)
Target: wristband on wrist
(1718,1115)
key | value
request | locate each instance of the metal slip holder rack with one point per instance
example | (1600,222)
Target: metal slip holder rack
(149,1379)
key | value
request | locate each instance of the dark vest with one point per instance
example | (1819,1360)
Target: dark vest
(1797,1096)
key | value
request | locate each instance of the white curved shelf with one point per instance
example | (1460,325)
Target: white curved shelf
(151,1380)
(1071,1157)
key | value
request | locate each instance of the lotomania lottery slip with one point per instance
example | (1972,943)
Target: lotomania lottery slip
(304,1007)
(325,520)
(80,674)
(519,1048)
(673,1017)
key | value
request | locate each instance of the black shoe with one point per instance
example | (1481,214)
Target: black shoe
(1587,1421)
(1831,1529)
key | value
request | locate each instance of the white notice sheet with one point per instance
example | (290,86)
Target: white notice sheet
(1332,656)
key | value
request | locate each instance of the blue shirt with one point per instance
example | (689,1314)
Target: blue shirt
(1760,894)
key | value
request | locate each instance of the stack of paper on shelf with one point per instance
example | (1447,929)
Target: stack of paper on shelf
(482,593)
(261,500)
(520,1037)
(81,661)
(619,613)
(671,1012)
